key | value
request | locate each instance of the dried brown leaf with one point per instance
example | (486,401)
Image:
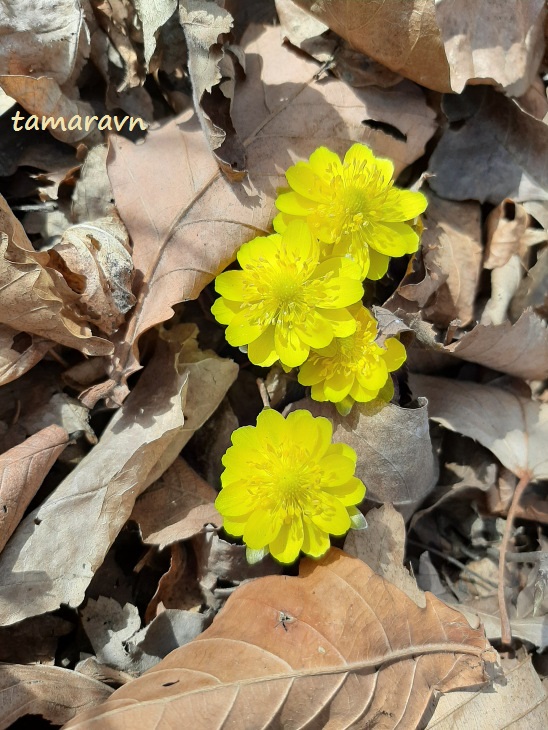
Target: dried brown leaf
(395,457)
(153,16)
(47,561)
(498,42)
(487,133)
(22,470)
(186,220)
(54,693)
(175,507)
(515,429)
(351,646)
(33,297)
(403,36)
(19,352)
(520,701)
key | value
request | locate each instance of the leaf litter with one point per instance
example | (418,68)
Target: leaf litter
(119,394)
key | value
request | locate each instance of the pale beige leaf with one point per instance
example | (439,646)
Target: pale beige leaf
(508,233)
(175,507)
(47,561)
(403,36)
(95,261)
(521,701)
(351,645)
(43,98)
(186,220)
(486,132)
(19,352)
(153,14)
(395,457)
(533,291)
(515,429)
(500,42)
(33,297)
(42,38)
(382,546)
(505,281)
(519,349)
(54,693)
(22,470)
(92,197)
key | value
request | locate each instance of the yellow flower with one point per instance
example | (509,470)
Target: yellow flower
(286,487)
(354,368)
(353,206)
(284,301)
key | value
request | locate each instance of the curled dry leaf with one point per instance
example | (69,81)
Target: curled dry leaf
(186,221)
(337,641)
(19,352)
(204,22)
(153,16)
(95,262)
(47,558)
(22,470)
(520,701)
(513,428)
(405,37)
(486,132)
(395,457)
(54,693)
(92,197)
(175,507)
(498,42)
(34,297)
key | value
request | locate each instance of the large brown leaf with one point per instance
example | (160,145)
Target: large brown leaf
(187,221)
(336,647)
(22,470)
(515,429)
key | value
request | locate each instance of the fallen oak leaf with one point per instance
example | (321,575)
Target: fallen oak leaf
(54,693)
(35,298)
(22,470)
(338,641)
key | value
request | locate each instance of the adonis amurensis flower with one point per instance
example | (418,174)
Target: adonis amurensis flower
(354,368)
(286,487)
(284,301)
(353,207)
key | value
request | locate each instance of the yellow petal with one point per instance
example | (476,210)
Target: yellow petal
(334,518)
(271,425)
(359,154)
(304,181)
(224,310)
(336,469)
(262,527)
(395,354)
(231,285)
(317,331)
(342,449)
(315,541)
(289,347)
(402,205)
(294,204)
(234,525)
(241,331)
(298,242)
(258,248)
(338,386)
(361,394)
(247,438)
(317,392)
(325,163)
(375,378)
(378,265)
(350,493)
(393,239)
(262,351)
(287,545)
(342,323)
(310,373)
(234,502)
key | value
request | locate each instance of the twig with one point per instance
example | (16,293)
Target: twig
(263,392)
(506,630)
(533,557)
(453,561)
